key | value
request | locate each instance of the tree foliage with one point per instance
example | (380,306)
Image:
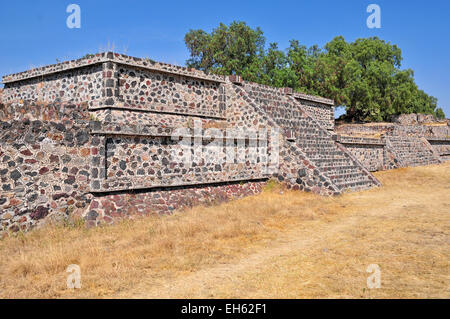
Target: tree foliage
(227,50)
(365,76)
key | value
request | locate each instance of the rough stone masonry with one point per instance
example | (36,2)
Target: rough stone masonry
(101,138)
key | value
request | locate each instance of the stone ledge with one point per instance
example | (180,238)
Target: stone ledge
(135,109)
(112,57)
(109,128)
(359,140)
(131,187)
(438,139)
(290,92)
(313,98)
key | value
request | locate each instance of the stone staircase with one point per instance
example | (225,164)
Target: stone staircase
(343,170)
(334,161)
(412,151)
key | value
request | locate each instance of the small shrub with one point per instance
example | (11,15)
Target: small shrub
(272,184)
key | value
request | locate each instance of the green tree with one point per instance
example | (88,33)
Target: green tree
(364,76)
(234,49)
(440,113)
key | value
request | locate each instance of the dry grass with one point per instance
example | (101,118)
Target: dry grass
(275,245)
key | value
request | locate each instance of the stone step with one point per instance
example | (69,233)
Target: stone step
(348,177)
(332,162)
(330,158)
(361,185)
(311,139)
(325,153)
(315,144)
(340,170)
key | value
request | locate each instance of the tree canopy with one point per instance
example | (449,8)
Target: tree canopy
(364,76)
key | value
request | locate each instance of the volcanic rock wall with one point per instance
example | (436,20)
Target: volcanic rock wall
(335,166)
(369,151)
(113,136)
(44,170)
(100,140)
(393,145)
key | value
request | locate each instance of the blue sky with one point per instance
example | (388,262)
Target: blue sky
(34,33)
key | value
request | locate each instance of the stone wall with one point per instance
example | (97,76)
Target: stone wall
(322,111)
(335,168)
(369,151)
(106,208)
(441,146)
(114,136)
(415,119)
(377,130)
(156,159)
(292,166)
(101,58)
(48,170)
(88,134)
(170,93)
(72,86)
(411,151)
(370,130)
(391,145)
(44,171)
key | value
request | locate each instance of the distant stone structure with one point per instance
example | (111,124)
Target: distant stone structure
(101,138)
(391,145)
(414,119)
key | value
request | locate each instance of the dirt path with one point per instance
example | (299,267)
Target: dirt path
(207,282)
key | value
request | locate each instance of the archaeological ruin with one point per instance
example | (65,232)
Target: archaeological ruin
(112,136)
